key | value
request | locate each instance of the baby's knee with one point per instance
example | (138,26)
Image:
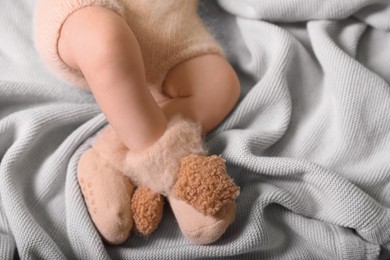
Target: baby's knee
(225,84)
(230,85)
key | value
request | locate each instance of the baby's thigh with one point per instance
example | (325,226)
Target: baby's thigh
(207,77)
(204,89)
(51,18)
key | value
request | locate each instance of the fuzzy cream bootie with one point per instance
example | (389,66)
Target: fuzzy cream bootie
(107,192)
(201,194)
(112,203)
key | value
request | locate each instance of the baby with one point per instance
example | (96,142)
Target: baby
(145,61)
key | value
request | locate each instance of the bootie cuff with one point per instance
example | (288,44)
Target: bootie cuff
(158,166)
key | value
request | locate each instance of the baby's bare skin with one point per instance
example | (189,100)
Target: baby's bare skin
(103,47)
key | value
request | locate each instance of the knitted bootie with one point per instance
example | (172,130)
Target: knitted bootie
(147,209)
(202,187)
(199,228)
(107,192)
(202,199)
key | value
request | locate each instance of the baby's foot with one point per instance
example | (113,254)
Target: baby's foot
(204,183)
(198,228)
(203,198)
(147,210)
(107,192)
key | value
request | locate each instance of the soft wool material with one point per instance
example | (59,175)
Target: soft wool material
(201,194)
(147,210)
(158,166)
(199,228)
(169,32)
(204,183)
(200,182)
(107,192)
(308,143)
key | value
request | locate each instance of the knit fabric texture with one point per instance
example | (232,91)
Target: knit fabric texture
(204,183)
(147,209)
(169,32)
(308,143)
(158,166)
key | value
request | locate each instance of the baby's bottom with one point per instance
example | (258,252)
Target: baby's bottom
(97,42)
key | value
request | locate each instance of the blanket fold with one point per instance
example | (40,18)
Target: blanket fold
(308,142)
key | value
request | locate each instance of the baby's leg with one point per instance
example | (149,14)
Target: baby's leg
(204,89)
(97,42)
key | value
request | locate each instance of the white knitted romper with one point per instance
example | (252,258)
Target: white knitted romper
(168,31)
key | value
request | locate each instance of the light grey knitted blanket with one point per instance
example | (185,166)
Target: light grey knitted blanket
(309,141)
